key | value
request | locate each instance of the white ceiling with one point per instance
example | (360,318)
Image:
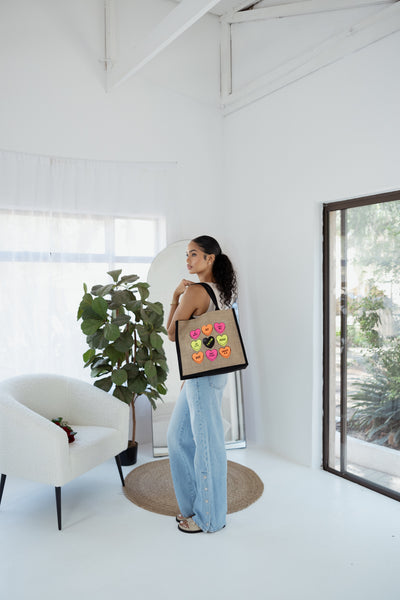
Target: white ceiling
(359,33)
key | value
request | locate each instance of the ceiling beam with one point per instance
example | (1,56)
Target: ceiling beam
(358,36)
(173,25)
(302,7)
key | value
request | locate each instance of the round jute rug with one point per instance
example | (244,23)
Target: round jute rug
(150,487)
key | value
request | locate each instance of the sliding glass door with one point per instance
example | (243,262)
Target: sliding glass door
(362,341)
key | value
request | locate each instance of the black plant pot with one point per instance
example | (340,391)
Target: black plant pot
(129,456)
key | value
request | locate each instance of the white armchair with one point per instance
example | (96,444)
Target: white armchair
(27,405)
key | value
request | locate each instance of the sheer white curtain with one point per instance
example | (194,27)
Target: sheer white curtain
(64,222)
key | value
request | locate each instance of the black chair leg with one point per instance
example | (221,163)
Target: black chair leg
(118,461)
(2,483)
(58,502)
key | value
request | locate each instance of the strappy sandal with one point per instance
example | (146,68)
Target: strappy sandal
(180,518)
(189,526)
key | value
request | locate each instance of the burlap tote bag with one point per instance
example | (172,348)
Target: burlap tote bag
(210,344)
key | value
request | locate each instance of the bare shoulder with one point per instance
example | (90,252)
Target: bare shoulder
(196,297)
(196,291)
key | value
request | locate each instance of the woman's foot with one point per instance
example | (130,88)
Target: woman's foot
(189,526)
(180,518)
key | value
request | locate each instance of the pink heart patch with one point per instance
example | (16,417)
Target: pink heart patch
(219,327)
(212,354)
(194,334)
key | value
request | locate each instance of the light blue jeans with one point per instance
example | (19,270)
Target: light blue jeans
(196,445)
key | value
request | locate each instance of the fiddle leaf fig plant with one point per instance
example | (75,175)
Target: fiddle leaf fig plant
(122,328)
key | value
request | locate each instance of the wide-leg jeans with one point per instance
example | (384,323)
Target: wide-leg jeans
(196,445)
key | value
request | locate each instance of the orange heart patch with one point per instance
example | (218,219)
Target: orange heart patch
(207,329)
(225,352)
(198,357)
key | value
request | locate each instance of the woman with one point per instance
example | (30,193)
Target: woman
(196,441)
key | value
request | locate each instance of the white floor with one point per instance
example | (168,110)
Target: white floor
(311,536)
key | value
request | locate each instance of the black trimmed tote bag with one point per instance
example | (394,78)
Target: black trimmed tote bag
(209,344)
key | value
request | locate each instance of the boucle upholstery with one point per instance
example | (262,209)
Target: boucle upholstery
(33,447)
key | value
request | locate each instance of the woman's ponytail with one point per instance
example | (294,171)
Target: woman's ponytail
(222,270)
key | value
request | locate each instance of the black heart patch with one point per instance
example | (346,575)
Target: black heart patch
(209,341)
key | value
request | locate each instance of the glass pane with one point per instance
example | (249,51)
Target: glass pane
(46,233)
(373,356)
(135,237)
(364,367)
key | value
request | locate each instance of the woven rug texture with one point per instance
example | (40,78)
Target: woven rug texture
(150,487)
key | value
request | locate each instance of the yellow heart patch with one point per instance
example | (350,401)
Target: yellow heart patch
(196,345)
(222,339)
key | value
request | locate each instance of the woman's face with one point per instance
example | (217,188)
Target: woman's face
(197,260)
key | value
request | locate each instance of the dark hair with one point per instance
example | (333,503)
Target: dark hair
(222,270)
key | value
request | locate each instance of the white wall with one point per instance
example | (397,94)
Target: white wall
(331,136)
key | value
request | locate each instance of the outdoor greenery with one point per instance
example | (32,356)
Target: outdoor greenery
(122,328)
(374,237)
(377,399)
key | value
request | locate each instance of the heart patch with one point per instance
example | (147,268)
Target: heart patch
(225,352)
(222,339)
(198,357)
(208,342)
(207,329)
(219,327)
(196,345)
(212,354)
(194,334)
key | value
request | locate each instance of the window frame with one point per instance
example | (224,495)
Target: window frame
(328,209)
(108,256)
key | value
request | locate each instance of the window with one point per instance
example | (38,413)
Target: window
(44,260)
(362,341)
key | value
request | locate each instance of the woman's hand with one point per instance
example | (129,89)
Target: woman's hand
(180,289)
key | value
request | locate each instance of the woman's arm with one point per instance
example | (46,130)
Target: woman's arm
(193,300)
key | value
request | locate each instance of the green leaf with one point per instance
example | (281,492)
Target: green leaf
(121,297)
(104,384)
(111,332)
(134,306)
(157,307)
(132,369)
(124,343)
(122,393)
(142,356)
(163,365)
(129,279)
(90,326)
(100,306)
(119,376)
(113,354)
(121,320)
(161,389)
(143,290)
(97,340)
(138,385)
(102,290)
(89,313)
(156,340)
(85,303)
(143,333)
(150,369)
(100,369)
(88,354)
(115,274)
